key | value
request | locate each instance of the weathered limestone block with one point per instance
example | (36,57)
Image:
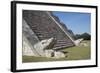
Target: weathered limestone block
(49,53)
(42,45)
(59,54)
(28,48)
(77,42)
(54,54)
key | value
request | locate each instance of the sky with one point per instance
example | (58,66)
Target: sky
(78,22)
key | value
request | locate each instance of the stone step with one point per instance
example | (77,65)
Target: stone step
(45,27)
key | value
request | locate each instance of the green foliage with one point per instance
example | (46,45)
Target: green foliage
(85,36)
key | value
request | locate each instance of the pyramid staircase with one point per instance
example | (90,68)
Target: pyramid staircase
(45,27)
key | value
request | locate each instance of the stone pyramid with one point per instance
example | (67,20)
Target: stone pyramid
(45,26)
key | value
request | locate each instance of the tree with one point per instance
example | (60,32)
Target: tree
(85,36)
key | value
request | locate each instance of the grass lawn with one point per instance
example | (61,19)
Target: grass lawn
(74,53)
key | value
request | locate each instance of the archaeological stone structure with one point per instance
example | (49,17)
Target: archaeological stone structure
(39,26)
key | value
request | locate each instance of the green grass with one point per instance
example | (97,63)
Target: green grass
(74,53)
(78,53)
(39,59)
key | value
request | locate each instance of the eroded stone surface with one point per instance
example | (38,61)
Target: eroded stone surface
(29,39)
(42,45)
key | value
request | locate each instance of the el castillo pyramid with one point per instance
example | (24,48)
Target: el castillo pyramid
(42,25)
